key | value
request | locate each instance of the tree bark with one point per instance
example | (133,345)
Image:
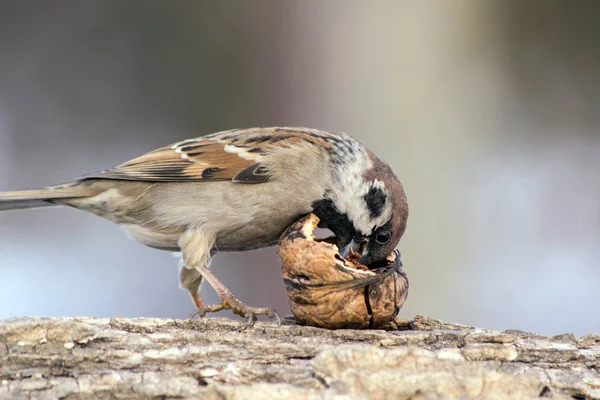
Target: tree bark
(123,358)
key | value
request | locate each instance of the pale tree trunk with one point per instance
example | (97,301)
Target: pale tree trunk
(120,358)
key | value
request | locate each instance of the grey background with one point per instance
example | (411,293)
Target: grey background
(488,111)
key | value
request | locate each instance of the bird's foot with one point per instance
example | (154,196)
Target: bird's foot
(238,308)
(228,302)
(244,310)
(202,310)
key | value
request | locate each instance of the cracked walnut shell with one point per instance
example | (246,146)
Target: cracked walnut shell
(329,291)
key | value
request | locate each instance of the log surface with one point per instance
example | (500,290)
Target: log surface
(216,358)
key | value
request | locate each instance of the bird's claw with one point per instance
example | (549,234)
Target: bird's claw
(250,313)
(202,311)
(238,308)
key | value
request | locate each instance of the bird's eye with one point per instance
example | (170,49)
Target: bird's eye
(383,237)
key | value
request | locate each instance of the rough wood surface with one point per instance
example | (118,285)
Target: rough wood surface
(119,358)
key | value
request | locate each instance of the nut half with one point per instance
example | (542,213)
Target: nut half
(329,291)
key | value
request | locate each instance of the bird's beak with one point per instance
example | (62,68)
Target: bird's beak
(356,246)
(364,257)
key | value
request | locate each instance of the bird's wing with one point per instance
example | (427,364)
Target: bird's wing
(225,156)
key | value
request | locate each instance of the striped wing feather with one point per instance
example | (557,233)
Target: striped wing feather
(230,155)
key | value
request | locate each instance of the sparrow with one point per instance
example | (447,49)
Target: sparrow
(239,190)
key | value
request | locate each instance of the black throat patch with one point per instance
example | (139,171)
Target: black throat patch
(332,219)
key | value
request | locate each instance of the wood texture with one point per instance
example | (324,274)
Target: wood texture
(119,358)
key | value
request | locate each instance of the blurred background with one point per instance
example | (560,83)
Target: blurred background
(489,112)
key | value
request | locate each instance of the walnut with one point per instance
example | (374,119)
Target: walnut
(329,291)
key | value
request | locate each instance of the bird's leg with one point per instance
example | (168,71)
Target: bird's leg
(196,251)
(228,301)
(191,280)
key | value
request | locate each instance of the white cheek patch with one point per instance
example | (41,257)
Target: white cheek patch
(379,203)
(378,184)
(350,190)
(359,213)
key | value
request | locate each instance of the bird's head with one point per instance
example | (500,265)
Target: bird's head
(366,208)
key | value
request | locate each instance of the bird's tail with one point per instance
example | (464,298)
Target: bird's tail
(40,197)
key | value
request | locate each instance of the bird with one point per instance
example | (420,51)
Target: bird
(239,190)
